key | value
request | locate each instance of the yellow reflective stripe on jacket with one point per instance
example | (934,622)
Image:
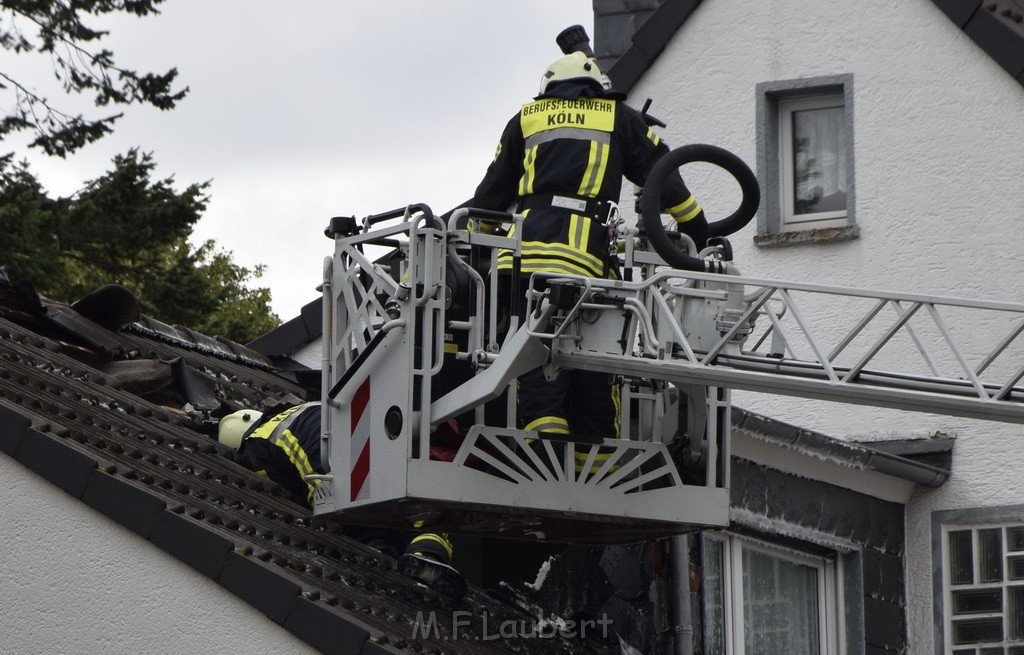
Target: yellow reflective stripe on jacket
(276,432)
(266,431)
(548,266)
(539,256)
(529,172)
(554,113)
(579,232)
(297,456)
(684,211)
(580,261)
(597,162)
(655,139)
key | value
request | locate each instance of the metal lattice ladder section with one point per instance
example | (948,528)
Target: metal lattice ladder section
(908,351)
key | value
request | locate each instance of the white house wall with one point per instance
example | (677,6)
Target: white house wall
(939,178)
(310,354)
(73,581)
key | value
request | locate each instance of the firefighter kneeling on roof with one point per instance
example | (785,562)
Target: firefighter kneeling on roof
(283,443)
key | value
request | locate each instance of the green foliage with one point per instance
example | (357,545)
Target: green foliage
(129,229)
(61,34)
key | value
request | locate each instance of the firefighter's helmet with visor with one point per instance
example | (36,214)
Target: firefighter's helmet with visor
(233,427)
(574,66)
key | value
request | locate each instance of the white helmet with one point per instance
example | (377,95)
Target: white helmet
(571,67)
(233,426)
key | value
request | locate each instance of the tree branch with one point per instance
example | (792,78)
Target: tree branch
(79,69)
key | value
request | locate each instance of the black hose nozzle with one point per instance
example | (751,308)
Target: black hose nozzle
(574,39)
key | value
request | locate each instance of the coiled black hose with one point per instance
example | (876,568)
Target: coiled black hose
(650,207)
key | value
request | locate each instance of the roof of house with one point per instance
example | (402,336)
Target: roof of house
(293,333)
(629,35)
(109,405)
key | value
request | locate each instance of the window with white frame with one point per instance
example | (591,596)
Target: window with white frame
(760,599)
(813,152)
(805,160)
(983,588)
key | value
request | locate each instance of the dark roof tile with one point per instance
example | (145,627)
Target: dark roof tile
(111,306)
(959,11)
(129,503)
(54,459)
(326,629)
(191,541)
(624,6)
(628,69)
(1000,36)
(261,586)
(12,428)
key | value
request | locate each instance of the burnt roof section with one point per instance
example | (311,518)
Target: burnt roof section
(100,411)
(629,35)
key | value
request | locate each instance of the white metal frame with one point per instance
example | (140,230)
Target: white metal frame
(384,327)
(849,357)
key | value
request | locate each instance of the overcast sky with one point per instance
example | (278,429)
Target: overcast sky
(303,110)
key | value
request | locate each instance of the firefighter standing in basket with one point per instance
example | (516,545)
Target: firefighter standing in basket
(560,163)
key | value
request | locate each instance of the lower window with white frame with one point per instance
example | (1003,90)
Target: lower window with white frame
(762,599)
(983,589)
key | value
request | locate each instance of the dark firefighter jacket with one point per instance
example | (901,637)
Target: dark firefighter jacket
(285,446)
(568,148)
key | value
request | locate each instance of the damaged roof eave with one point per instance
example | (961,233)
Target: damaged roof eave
(814,455)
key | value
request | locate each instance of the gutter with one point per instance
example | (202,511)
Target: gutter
(842,452)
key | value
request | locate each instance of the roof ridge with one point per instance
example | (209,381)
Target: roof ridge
(998,30)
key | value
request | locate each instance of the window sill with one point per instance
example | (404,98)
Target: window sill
(800,237)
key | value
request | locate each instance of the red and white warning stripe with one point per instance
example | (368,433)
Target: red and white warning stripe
(360,443)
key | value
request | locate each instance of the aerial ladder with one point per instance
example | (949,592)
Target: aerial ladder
(421,355)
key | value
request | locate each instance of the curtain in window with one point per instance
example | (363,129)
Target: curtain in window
(714,597)
(819,163)
(780,606)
